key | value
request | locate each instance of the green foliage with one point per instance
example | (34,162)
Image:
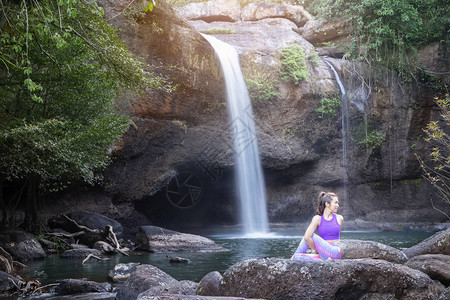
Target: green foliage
(61,67)
(262,90)
(262,81)
(389,32)
(329,107)
(220,30)
(373,139)
(436,134)
(293,64)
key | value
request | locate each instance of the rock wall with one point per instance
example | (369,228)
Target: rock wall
(183,137)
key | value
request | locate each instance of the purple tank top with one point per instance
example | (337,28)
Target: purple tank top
(329,230)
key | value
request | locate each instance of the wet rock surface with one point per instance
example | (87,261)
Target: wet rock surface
(157,239)
(344,279)
(77,286)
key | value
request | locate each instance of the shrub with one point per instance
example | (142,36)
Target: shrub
(293,64)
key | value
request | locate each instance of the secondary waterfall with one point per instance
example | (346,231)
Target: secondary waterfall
(344,130)
(250,179)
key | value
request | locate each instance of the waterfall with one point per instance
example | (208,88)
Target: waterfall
(249,179)
(344,130)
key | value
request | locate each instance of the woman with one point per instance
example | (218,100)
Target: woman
(328,223)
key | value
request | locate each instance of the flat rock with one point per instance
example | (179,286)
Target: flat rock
(157,239)
(438,243)
(259,11)
(437,266)
(77,286)
(352,249)
(275,278)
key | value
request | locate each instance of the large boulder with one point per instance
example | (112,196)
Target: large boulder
(145,277)
(209,284)
(210,11)
(21,246)
(334,279)
(318,31)
(77,286)
(259,11)
(437,266)
(438,243)
(352,249)
(184,287)
(191,297)
(157,239)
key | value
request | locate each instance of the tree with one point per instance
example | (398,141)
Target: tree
(437,172)
(61,67)
(390,32)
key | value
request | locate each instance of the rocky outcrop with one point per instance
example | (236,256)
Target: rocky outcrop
(77,286)
(157,239)
(209,284)
(352,249)
(259,11)
(345,279)
(435,265)
(186,132)
(21,246)
(438,243)
(210,11)
(145,277)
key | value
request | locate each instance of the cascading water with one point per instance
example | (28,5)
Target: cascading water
(250,179)
(344,112)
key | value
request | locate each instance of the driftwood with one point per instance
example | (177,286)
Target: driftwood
(11,266)
(112,238)
(81,227)
(90,256)
(25,288)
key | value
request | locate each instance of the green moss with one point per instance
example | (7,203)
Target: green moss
(219,30)
(293,64)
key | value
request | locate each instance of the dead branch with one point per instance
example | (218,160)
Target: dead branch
(112,238)
(90,256)
(60,234)
(81,227)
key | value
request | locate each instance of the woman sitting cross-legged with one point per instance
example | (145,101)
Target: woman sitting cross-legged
(325,244)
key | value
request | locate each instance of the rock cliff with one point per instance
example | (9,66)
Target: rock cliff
(183,135)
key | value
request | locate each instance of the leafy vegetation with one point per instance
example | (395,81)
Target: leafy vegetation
(373,139)
(61,67)
(329,107)
(437,172)
(293,64)
(389,32)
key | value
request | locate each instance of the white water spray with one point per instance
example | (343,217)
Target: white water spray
(344,112)
(250,179)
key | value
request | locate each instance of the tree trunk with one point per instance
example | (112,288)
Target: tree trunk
(30,222)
